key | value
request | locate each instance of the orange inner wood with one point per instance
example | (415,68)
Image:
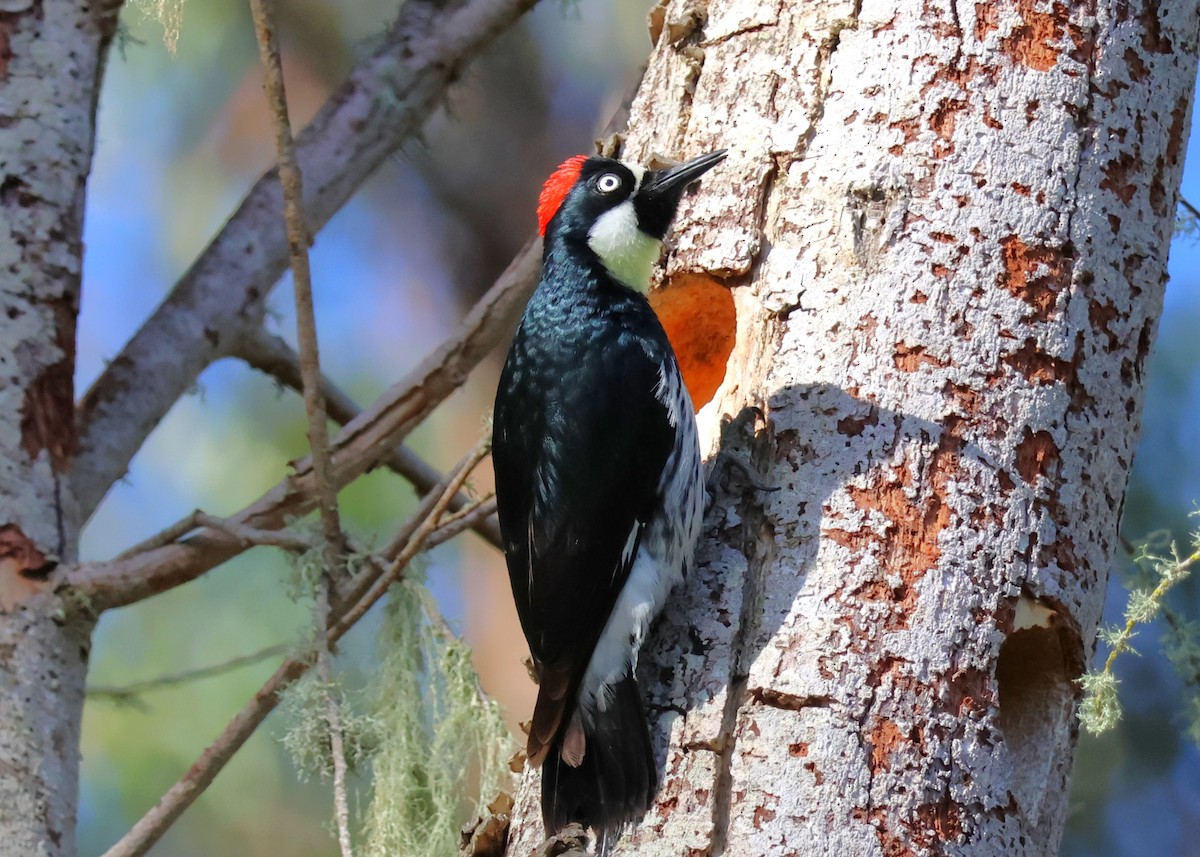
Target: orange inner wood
(698,315)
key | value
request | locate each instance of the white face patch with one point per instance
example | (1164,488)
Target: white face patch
(627,252)
(639,173)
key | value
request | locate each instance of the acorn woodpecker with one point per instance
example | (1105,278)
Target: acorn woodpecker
(598,482)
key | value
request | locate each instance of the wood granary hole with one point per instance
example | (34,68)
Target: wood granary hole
(1036,676)
(697,312)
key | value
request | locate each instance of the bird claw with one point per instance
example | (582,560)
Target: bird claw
(571,841)
(728,459)
(734,432)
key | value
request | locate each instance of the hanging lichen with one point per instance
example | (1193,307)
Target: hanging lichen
(168,13)
(1158,567)
(442,744)
(307,738)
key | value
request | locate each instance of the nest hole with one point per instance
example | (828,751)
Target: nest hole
(1036,677)
(698,314)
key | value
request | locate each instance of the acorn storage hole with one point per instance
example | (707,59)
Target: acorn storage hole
(698,314)
(1039,663)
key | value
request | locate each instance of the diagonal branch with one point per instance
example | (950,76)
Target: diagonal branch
(222,296)
(355,449)
(418,533)
(272,356)
(129,694)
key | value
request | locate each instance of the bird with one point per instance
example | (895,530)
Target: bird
(599,485)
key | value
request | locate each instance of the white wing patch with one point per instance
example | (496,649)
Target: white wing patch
(664,553)
(630,544)
(641,598)
(670,391)
(625,250)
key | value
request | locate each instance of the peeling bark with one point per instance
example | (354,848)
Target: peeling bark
(51,60)
(944,227)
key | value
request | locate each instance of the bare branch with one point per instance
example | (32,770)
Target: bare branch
(168,535)
(422,529)
(247,536)
(298,239)
(127,694)
(273,356)
(410,540)
(455,524)
(362,443)
(378,563)
(150,827)
(251,536)
(222,295)
(453,485)
(465,519)
(314,404)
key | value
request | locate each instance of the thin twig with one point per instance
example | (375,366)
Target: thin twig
(253,535)
(151,826)
(417,542)
(244,534)
(454,484)
(314,404)
(164,537)
(337,747)
(298,240)
(399,552)
(1191,209)
(461,522)
(471,510)
(423,532)
(1180,567)
(271,355)
(377,564)
(223,294)
(128,693)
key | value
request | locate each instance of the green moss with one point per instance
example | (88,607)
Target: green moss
(1159,566)
(442,743)
(168,14)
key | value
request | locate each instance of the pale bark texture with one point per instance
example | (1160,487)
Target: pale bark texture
(51,62)
(944,227)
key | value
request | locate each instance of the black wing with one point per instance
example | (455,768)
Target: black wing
(579,450)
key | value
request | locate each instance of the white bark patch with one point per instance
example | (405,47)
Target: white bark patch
(48,74)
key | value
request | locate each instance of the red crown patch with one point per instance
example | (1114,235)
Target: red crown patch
(555,190)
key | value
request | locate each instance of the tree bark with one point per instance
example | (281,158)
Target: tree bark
(944,229)
(51,61)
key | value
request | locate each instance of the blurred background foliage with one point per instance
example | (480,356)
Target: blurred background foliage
(181,137)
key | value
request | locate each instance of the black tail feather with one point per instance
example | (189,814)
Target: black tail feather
(618,778)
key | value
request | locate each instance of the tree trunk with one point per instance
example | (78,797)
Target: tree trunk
(51,61)
(944,228)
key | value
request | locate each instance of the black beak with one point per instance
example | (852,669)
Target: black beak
(659,195)
(677,178)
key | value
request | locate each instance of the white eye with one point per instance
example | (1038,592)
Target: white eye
(608,182)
